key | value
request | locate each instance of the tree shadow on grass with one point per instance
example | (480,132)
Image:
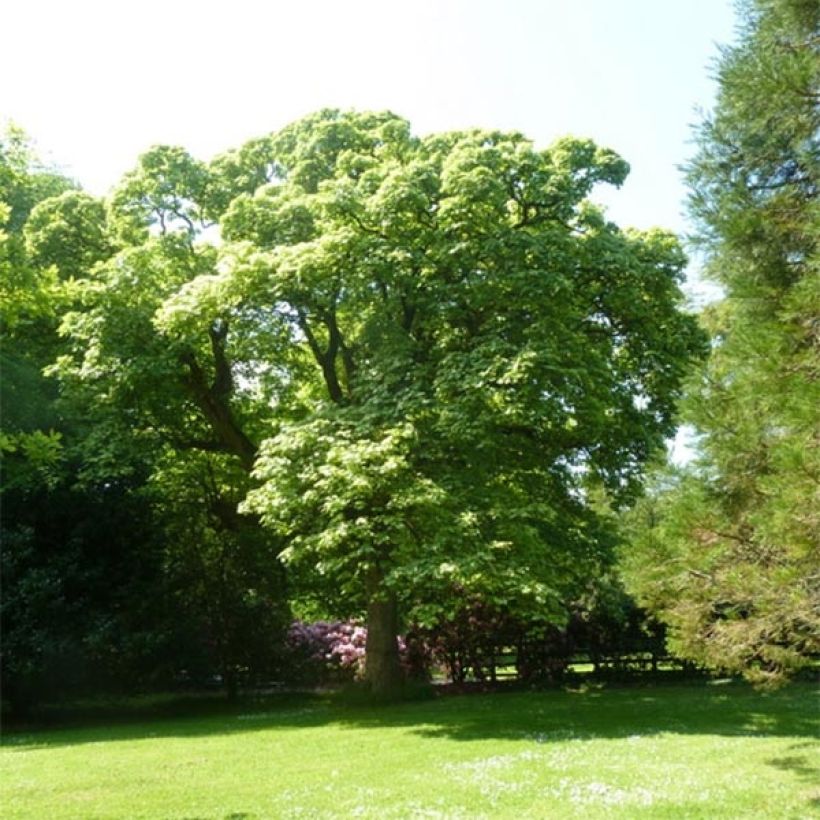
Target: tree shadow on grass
(803,761)
(586,713)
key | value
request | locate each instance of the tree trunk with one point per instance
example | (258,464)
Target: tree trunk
(231,682)
(382,668)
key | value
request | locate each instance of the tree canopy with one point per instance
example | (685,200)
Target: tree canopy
(728,555)
(115,568)
(420,364)
(426,352)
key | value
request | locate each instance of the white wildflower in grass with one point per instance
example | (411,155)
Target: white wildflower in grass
(601,794)
(499,775)
(419,811)
(482,765)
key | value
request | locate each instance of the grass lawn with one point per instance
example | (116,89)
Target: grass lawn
(702,751)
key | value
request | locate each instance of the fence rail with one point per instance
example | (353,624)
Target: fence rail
(508,663)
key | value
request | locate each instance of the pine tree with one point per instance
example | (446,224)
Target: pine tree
(729,554)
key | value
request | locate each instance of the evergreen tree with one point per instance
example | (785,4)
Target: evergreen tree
(728,553)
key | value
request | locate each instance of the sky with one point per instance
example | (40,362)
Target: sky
(97,83)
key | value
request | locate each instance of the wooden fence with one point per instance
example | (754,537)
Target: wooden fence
(506,664)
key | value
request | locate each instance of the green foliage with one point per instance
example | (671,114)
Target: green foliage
(455,343)
(102,586)
(82,605)
(36,207)
(417,360)
(221,570)
(24,179)
(340,501)
(24,182)
(489,348)
(69,233)
(728,555)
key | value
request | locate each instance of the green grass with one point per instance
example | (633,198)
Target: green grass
(688,751)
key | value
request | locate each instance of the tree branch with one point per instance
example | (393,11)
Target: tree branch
(223,378)
(326,359)
(213,401)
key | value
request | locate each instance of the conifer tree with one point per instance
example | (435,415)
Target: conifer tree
(728,554)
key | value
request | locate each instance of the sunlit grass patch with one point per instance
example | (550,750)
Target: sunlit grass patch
(704,752)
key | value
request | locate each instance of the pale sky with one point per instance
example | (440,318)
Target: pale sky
(98,82)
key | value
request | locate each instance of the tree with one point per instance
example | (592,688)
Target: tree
(221,570)
(424,354)
(489,347)
(121,563)
(727,553)
(27,309)
(79,563)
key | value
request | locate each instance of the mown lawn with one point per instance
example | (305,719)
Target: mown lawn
(700,751)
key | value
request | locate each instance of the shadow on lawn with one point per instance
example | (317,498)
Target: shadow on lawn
(541,716)
(803,763)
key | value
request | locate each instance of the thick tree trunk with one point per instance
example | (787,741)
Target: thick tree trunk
(382,668)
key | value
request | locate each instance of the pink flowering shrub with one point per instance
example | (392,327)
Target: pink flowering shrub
(326,650)
(329,650)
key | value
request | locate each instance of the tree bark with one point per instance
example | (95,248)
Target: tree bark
(382,667)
